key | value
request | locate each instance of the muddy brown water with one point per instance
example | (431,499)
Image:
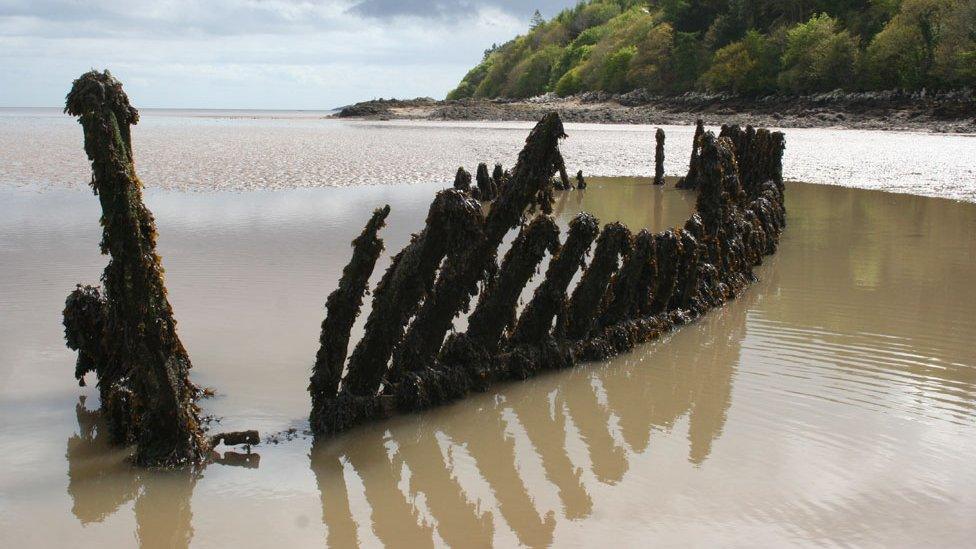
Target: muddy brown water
(833,403)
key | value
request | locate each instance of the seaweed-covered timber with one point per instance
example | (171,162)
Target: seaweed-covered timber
(486,186)
(462,180)
(496,308)
(584,305)
(580,182)
(127,336)
(659,156)
(499,177)
(665,280)
(690,181)
(563,176)
(343,307)
(527,190)
(453,223)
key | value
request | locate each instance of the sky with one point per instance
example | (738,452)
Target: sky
(260,54)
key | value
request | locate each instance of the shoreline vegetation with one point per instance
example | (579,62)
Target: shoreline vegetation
(878,64)
(944,112)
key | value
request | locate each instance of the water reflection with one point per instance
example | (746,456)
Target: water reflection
(581,435)
(850,365)
(101,480)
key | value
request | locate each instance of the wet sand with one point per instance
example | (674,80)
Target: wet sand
(246,151)
(834,403)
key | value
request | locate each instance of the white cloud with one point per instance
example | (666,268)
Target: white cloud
(244,53)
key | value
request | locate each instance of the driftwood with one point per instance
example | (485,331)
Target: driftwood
(127,335)
(659,157)
(665,279)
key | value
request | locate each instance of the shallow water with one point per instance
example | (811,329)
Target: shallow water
(833,403)
(247,150)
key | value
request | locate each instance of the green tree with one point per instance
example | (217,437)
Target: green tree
(747,66)
(819,56)
(927,43)
(537,20)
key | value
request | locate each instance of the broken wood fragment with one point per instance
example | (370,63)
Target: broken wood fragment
(236,438)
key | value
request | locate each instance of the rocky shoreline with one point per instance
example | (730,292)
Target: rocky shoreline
(949,112)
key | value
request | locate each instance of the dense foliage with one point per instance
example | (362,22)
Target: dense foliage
(740,46)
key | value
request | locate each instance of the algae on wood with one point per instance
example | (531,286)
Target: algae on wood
(142,366)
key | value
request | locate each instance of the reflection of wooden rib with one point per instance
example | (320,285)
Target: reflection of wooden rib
(459,522)
(336,514)
(547,434)
(493,449)
(673,278)
(608,460)
(396,521)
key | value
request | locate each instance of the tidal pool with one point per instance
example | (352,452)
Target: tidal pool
(833,403)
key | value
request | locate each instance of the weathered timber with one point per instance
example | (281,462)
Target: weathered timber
(629,293)
(496,307)
(549,298)
(666,280)
(342,308)
(462,180)
(141,356)
(486,187)
(499,178)
(584,305)
(563,176)
(84,324)
(527,190)
(451,221)
(659,157)
(690,181)
(580,182)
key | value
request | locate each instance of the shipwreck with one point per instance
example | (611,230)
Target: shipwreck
(635,287)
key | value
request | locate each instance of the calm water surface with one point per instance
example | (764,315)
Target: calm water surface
(245,150)
(833,403)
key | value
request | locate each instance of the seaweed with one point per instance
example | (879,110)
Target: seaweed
(462,180)
(129,339)
(342,308)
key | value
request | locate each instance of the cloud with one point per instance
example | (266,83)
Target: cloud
(455,9)
(249,53)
